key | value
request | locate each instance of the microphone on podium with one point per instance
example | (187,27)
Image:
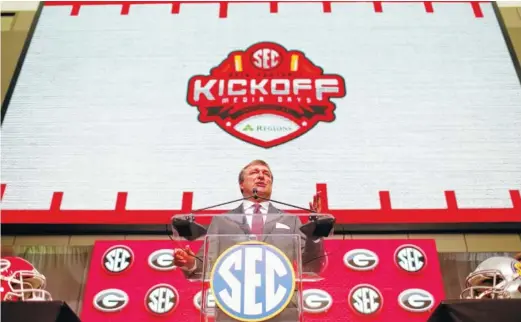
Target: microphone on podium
(317,226)
(190,230)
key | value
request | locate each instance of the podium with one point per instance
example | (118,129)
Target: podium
(253,277)
(53,311)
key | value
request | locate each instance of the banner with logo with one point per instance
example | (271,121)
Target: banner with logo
(364,280)
(130,112)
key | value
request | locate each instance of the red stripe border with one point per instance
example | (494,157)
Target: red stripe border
(273,5)
(385,215)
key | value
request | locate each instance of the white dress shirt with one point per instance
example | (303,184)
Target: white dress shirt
(249,208)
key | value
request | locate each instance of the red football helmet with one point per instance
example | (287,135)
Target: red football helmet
(20,281)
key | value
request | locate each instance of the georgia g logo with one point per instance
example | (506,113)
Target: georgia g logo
(416,300)
(252,281)
(110,300)
(316,301)
(162,260)
(361,259)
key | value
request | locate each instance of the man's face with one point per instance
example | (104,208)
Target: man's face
(257,176)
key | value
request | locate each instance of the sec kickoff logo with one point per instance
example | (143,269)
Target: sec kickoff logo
(252,281)
(266,95)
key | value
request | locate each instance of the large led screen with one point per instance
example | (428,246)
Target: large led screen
(402,112)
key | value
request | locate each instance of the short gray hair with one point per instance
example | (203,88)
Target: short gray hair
(254,162)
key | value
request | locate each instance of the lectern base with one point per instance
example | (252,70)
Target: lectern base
(54,311)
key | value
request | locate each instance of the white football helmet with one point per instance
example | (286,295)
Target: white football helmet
(497,277)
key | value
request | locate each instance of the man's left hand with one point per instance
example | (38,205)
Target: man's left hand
(316,204)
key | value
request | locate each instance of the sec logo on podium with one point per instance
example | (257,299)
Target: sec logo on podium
(252,281)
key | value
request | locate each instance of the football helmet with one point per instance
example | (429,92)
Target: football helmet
(20,281)
(497,277)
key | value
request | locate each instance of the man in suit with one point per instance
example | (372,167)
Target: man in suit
(255,217)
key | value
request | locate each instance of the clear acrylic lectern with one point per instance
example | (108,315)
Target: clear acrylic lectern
(246,276)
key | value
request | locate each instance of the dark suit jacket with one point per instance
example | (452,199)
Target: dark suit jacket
(235,229)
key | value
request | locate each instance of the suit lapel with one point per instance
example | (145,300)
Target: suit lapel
(240,220)
(272,218)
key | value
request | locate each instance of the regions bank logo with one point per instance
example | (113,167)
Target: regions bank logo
(266,95)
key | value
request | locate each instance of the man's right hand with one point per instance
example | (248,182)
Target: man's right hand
(184,258)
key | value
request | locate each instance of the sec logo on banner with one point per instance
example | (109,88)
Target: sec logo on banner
(252,281)
(365,299)
(117,259)
(161,299)
(410,258)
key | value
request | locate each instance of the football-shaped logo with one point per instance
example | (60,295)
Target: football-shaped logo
(410,258)
(365,299)
(361,260)
(117,259)
(162,260)
(161,299)
(110,300)
(416,300)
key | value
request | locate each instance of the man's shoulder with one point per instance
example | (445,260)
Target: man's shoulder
(237,210)
(229,215)
(274,210)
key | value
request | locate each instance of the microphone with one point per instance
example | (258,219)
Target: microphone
(186,226)
(316,227)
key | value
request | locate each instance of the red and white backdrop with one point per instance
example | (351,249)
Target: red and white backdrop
(398,111)
(329,300)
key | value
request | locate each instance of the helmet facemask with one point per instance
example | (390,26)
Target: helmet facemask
(485,284)
(28,286)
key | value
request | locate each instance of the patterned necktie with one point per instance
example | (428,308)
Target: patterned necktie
(257,222)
